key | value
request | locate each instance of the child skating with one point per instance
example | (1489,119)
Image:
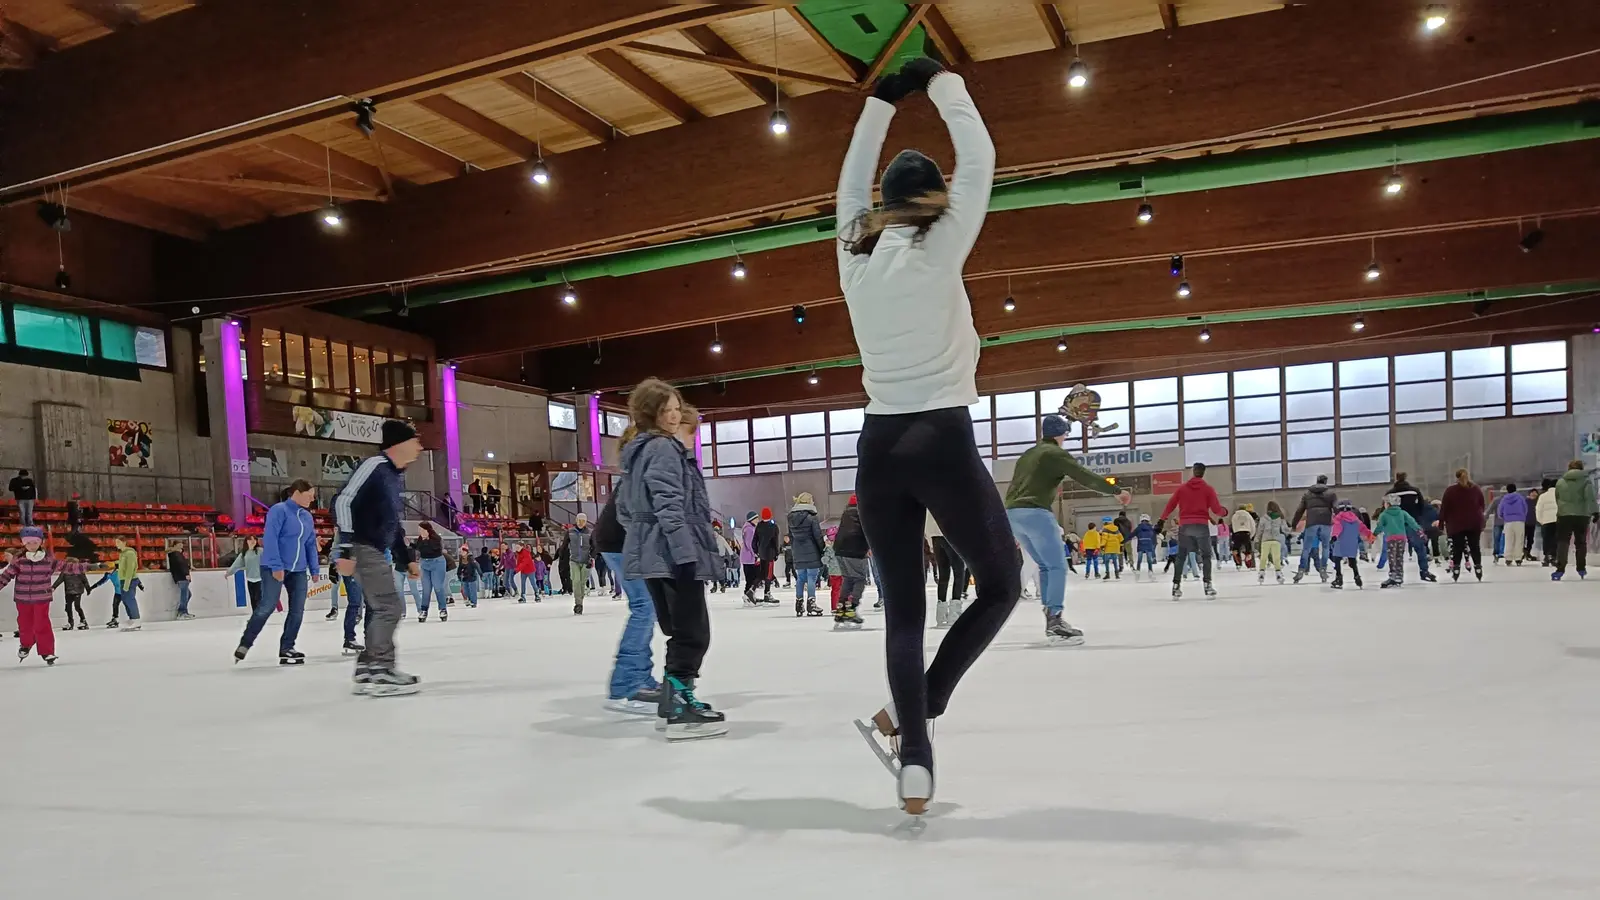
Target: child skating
(1092,540)
(1111,550)
(1272,535)
(1348,535)
(1144,537)
(1396,527)
(32,570)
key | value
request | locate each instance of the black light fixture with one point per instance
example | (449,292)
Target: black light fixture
(1176,265)
(63,280)
(1077,73)
(779,120)
(739,271)
(55,215)
(1481,308)
(1146,213)
(540,173)
(1531,240)
(1374,271)
(1434,17)
(364,109)
(569,295)
(195,310)
(1205,335)
(813,379)
(716,338)
(331,216)
(1360,324)
(1061,345)
(1394,184)
(1184,290)
(1010,305)
(799,313)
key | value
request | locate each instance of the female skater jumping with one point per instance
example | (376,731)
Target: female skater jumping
(900,269)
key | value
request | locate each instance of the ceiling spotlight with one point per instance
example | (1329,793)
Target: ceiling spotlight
(1434,17)
(1394,184)
(1077,73)
(1146,213)
(1176,266)
(569,295)
(194,310)
(1531,240)
(739,271)
(331,216)
(1184,290)
(815,380)
(1061,345)
(55,215)
(799,313)
(540,173)
(779,122)
(63,280)
(716,338)
(1010,305)
(364,110)
(451,365)
(1360,324)
(488,454)
(716,346)
(1205,335)
(1374,271)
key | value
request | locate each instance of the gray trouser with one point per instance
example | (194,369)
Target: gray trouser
(25,509)
(854,582)
(384,606)
(1194,539)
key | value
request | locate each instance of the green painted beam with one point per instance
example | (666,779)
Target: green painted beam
(1348,307)
(1451,140)
(846,24)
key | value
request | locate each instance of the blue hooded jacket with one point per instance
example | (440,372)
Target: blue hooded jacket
(289,540)
(1145,534)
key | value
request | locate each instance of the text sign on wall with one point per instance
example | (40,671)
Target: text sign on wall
(1132,462)
(337,425)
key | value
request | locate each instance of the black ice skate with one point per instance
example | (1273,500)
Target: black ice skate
(422,617)
(352,647)
(332,614)
(812,609)
(240,653)
(688,718)
(387,682)
(1177,591)
(1058,633)
(49,660)
(1388,583)
(1338,583)
(83,626)
(847,619)
(291,658)
(941,615)
(22,653)
(1211,592)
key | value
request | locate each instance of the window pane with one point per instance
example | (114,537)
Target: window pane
(1013,431)
(341,367)
(1050,400)
(843,446)
(1533,409)
(419,381)
(1419,367)
(294,359)
(733,455)
(615,424)
(1109,442)
(808,423)
(808,447)
(1314,377)
(1205,387)
(116,342)
(1539,357)
(1363,401)
(1539,386)
(1258,478)
(1357,372)
(1112,393)
(1369,470)
(1414,417)
(1378,421)
(844,480)
(705,434)
(1309,406)
(1480,361)
(772,451)
(1019,404)
(380,373)
(1309,425)
(774,467)
(1258,449)
(1205,415)
(1304,474)
(321,379)
(770,427)
(1155,390)
(1424,395)
(1257,430)
(1365,442)
(44,329)
(1201,434)
(799,464)
(981,409)
(394,375)
(1212,453)
(563,415)
(983,436)
(150,347)
(1316,445)
(1153,441)
(843,420)
(1255,382)
(733,470)
(733,430)
(1479,412)
(1480,391)
(1256,409)
(1155,418)
(1011,451)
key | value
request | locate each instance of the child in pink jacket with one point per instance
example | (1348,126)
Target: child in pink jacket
(1349,535)
(34,571)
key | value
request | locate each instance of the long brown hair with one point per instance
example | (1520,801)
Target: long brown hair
(1462,478)
(646,402)
(861,236)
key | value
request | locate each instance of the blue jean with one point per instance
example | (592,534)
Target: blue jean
(1091,563)
(295,584)
(469,590)
(183,597)
(1314,545)
(1037,532)
(1148,557)
(353,601)
(631,674)
(404,584)
(434,579)
(1419,543)
(805,585)
(130,600)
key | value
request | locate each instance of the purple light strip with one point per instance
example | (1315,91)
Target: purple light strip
(236,429)
(596,451)
(697,457)
(452,432)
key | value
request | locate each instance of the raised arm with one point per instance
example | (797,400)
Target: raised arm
(855,179)
(957,230)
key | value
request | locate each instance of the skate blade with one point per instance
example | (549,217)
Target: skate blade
(912,828)
(1064,642)
(869,733)
(391,690)
(702,732)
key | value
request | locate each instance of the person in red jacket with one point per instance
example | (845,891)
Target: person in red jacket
(33,570)
(1198,506)
(524,574)
(1461,514)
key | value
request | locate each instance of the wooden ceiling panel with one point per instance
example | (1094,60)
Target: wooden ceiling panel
(225,206)
(751,36)
(710,90)
(68,23)
(1196,12)
(989,31)
(440,132)
(511,109)
(584,81)
(353,144)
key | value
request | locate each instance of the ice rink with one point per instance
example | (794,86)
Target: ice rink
(1280,742)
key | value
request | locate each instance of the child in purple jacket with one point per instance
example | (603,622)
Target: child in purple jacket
(34,570)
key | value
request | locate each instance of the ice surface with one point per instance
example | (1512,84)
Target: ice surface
(1281,742)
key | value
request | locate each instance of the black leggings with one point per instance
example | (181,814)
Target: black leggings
(912,465)
(1576,530)
(1469,541)
(681,612)
(75,602)
(949,571)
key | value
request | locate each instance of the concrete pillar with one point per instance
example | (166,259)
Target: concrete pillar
(1584,362)
(230,443)
(447,478)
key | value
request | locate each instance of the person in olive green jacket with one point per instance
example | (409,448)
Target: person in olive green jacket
(127,586)
(1575,508)
(1029,502)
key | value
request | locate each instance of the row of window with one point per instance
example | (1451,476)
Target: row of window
(34,328)
(323,372)
(564,416)
(1277,425)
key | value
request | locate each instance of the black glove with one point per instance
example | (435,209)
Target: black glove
(1161,524)
(891,88)
(918,72)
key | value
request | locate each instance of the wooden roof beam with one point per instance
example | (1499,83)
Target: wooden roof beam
(851,66)
(945,39)
(879,65)
(642,84)
(246,182)
(549,100)
(23,44)
(110,203)
(474,122)
(424,153)
(108,14)
(304,150)
(711,44)
(1169,16)
(742,66)
(1055,25)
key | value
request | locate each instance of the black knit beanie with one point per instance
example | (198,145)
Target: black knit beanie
(910,175)
(395,432)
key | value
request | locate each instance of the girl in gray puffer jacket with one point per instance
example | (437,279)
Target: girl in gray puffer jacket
(662,503)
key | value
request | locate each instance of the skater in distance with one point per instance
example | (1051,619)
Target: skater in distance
(1198,507)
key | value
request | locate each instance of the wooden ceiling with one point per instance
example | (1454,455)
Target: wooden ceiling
(29,29)
(652,80)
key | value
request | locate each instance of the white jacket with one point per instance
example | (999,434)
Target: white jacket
(1243,521)
(1545,509)
(908,306)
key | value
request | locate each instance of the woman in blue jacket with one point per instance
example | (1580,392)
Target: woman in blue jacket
(288,563)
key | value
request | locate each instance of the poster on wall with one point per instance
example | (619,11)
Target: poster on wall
(338,467)
(337,425)
(1588,428)
(130,443)
(266,463)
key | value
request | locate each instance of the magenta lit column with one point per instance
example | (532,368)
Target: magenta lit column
(697,457)
(596,455)
(452,432)
(234,431)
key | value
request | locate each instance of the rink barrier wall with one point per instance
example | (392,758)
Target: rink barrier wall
(213,594)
